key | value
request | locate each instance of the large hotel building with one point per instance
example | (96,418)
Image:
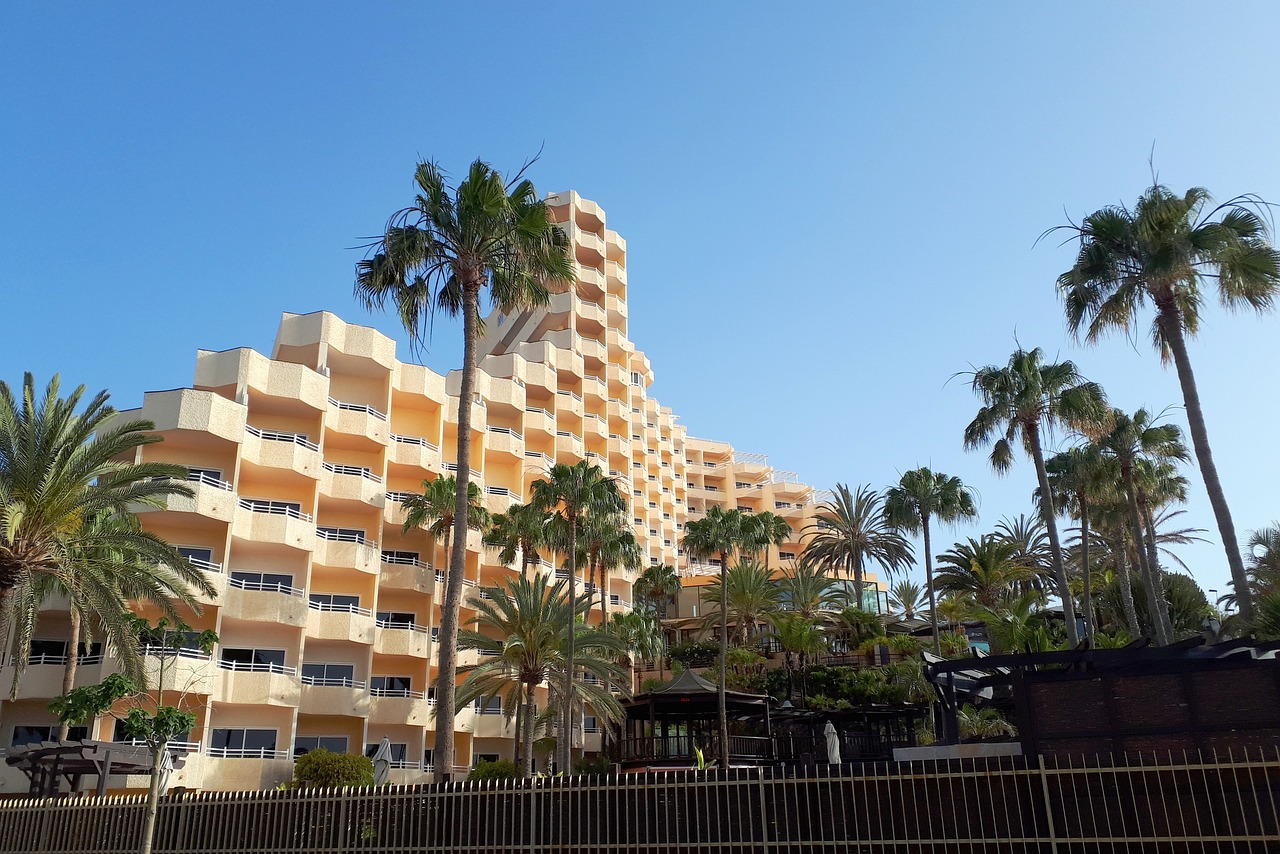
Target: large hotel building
(326,611)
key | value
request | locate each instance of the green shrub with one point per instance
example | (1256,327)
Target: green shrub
(905,644)
(954,644)
(321,768)
(596,765)
(503,769)
(695,653)
(652,684)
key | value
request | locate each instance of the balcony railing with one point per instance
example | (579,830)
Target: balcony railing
(404,560)
(400,624)
(537,410)
(275,508)
(207,479)
(355,471)
(681,747)
(504,492)
(400,497)
(358,407)
(343,607)
(414,440)
(257,667)
(336,682)
(507,431)
(174,746)
(265,587)
(248,753)
(342,535)
(206,565)
(571,394)
(398,692)
(169,652)
(282,436)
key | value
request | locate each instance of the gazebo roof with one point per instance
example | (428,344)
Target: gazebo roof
(690,687)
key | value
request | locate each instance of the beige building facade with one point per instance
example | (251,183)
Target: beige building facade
(327,612)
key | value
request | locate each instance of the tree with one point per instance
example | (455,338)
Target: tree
(434,511)
(521,628)
(657,586)
(851,530)
(440,254)
(921,496)
(574,492)
(799,638)
(640,635)
(607,543)
(748,592)
(720,532)
(808,590)
(1164,251)
(1076,476)
(761,530)
(983,569)
(521,530)
(1021,401)
(60,468)
(905,598)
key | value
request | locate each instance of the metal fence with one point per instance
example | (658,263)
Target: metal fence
(1145,804)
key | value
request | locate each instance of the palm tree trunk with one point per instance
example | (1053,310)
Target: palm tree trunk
(1171,325)
(928,577)
(447,679)
(1120,550)
(604,596)
(1157,574)
(722,708)
(1090,625)
(1148,579)
(1032,432)
(526,735)
(69,671)
(564,745)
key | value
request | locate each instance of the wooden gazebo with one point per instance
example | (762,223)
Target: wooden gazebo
(663,727)
(48,763)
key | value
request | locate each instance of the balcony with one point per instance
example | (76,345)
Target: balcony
(503,441)
(278,522)
(490,725)
(569,445)
(276,449)
(399,708)
(356,484)
(346,548)
(413,451)
(539,420)
(257,684)
(617,308)
(499,498)
(616,276)
(357,419)
(212,498)
(249,773)
(41,678)
(346,697)
(538,461)
(401,639)
(588,310)
(188,671)
(590,281)
(266,603)
(340,623)
(570,402)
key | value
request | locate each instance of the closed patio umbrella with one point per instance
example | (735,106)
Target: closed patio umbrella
(382,763)
(833,743)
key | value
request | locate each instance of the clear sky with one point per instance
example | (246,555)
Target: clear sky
(830,209)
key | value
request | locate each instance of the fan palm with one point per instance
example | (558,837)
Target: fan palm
(1075,476)
(762,530)
(61,469)
(521,630)
(607,543)
(720,532)
(1264,558)
(521,530)
(1020,402)
(574,492)
(851,530)
(985,569)
(640,635)
(433,510)
(750,594)
(799,638)
(438,255)
(905,597)
(1017,622)
(808,590)
(1164,251)
(920,497)
(657,586)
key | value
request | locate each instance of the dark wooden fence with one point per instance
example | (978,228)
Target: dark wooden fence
(1187,803)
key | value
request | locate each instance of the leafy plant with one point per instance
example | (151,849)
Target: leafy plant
(322,769)
(695,653)
(983,723)
(593,765)
(502,769)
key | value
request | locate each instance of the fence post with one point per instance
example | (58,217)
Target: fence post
(766,836)
(46,816)
(1048,803)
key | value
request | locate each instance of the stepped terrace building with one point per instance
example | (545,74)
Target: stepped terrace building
(327,612)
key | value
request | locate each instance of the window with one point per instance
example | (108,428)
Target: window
(242,658)
(332,743)
(653,533)
(240,742)
(739,484)
(48,652)
(636,492)
(786,555)
(276,582)
(198,555)
(334,601)
(24,735)
(407,558)
(637,466)
(390,686)
(399,752)
(397,619)
(487,757)
(635,437)
(118,734)
(590,724)
(333,675)
(653,561)
(435,634)
(638,520)
(635,378)
(489,705)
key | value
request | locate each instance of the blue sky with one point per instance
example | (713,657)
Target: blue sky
(829,209)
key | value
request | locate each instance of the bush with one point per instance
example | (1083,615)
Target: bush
(321,768)
(695,653)
(905,644)
(954,644)
(594,765)
(648,686)
(503,769)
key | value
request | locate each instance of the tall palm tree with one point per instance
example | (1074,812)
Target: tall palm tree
(1075,476)
(1021,401)
(800,638)
(657,586)
(434,510)
(607,543)
(808,590)
(920,497)
(60,469)
(1165,250)
(440,254)
(521,530)
(640,635)
(1264,558)
(1131,439)
(1030,540)
(850,531)
(762,530)
(984,569)
(750,594)
(574,492)
(720,532)
(521,628)
(905,598)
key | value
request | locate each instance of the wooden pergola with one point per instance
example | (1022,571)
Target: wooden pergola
(48,763)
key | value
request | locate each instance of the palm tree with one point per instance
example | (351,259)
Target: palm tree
(438,255)
(433,510)
(984,569)
(521,530)
(750,595)
(762,530)
(1264,558)
(851,530)
(1016,622)
(520,627)
(60,469)
(1030,541)
(905,598)
(799,638)
(808,590)
(1019,402)
(1075,475)
(609,544)
(1130,440)
(657,586)
(574,492)
(640,635)
(720,532)
(114,562)
(1164,250)
(921,496)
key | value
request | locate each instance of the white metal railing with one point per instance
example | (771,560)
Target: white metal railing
(398,692)
(358,407)
(503,491)
(404,560)
(592,455)
(282,436)
(414,440)
(343,607)
(342,535)
(400,624)
(357,471)
(158,651)
(265,586)
(275,508)
(753,459)
(35,660)
(568,393)
(209,480)
(537,410)
(780,476)
(439,577)
(206,565)
(539,455)
(400,497)
(453,467)
(824,496)
(507,431)
(336,682)
(89,659)
(257,667)
(176,746)
(247,753)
